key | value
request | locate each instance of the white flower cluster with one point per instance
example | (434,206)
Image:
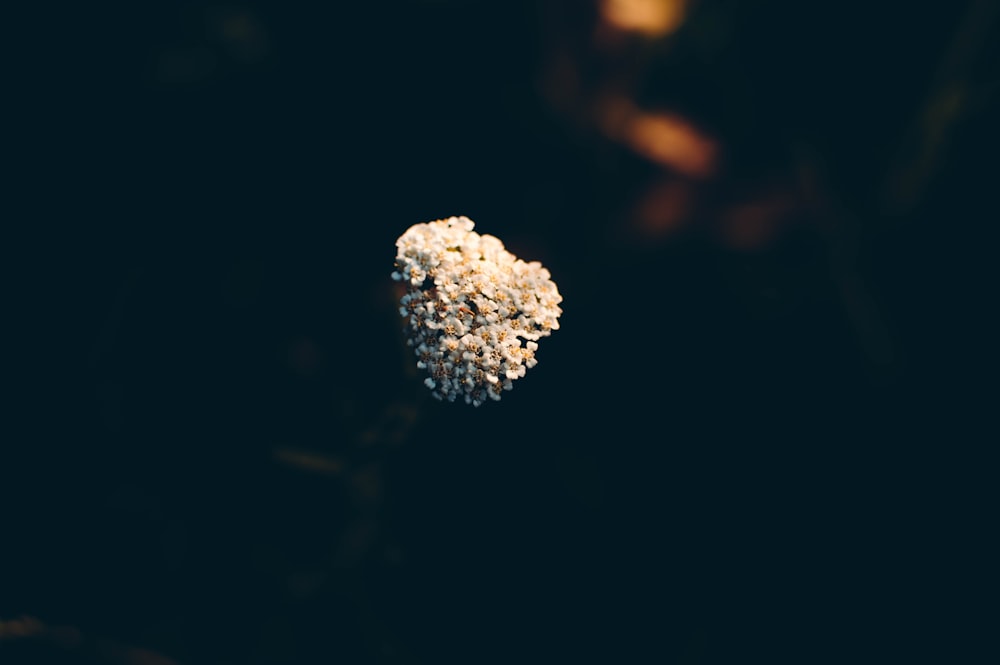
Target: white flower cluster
(475,311)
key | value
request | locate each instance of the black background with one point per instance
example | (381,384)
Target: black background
(707,465)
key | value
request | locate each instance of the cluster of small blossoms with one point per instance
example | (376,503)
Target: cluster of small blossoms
(475,312)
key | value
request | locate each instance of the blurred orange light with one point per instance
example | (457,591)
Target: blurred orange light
(664,207)
(653,18)
(673,142)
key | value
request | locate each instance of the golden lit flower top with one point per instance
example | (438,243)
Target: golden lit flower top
(475,312)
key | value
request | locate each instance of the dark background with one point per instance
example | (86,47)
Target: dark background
(731,451)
